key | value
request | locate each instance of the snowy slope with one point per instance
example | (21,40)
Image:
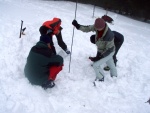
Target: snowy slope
(74,91)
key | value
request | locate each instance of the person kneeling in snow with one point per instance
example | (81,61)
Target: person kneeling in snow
(42,65)
(52,27)
(104,40)
(119,39)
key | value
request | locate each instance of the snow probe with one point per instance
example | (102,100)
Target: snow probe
(72,36)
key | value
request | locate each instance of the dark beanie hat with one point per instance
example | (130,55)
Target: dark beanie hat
(43,30)
(92,39)
(99,23)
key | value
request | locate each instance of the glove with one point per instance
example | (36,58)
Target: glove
(75,23)
(67,51)
(94,59)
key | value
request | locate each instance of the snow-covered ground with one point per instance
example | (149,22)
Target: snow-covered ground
(74,91)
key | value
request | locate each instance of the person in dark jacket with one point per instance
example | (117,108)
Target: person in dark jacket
(42,65)
(52,27)
(104,40)
(119,39)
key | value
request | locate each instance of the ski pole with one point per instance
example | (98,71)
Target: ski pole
(22,32)
(72,37)
(93,10)
(21,28)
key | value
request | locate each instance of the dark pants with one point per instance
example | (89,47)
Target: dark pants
(118,41)
(60,43)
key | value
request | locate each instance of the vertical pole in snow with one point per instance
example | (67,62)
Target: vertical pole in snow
(106,11)
(21,28)
(72,36)
(93,10)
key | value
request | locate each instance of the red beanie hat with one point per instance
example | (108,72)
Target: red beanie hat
(99,23)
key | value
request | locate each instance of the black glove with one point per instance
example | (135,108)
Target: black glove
(75,23)
(94,59)
(67,51)
(99,54)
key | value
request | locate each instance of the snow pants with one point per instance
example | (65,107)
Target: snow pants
(54,70)
(109,61)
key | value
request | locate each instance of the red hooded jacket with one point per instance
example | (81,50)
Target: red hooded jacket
(54,25)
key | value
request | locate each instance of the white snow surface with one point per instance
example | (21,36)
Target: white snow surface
(74,91)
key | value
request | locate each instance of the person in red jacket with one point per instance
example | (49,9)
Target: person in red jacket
(50,28)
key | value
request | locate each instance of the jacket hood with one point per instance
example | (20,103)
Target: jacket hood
(41,44)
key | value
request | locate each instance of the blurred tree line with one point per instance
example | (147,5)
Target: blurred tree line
(139,9)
